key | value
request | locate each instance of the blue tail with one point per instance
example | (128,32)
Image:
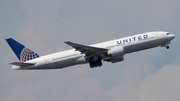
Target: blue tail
(22,53)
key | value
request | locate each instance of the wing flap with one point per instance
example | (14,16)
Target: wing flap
(22,64)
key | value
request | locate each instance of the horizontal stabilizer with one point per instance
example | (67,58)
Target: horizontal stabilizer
(22,64)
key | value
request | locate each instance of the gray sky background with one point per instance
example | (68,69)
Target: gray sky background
(44,25)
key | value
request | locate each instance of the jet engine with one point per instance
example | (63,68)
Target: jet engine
(116,54)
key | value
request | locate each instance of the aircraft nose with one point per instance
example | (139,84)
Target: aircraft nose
(172,36)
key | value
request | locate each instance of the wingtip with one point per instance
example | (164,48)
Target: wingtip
(67,42)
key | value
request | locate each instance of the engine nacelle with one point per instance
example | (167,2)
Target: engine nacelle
(114,60)
(116,52)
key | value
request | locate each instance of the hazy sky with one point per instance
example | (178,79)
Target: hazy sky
(44,25)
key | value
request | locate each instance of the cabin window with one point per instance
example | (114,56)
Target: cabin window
(167,33)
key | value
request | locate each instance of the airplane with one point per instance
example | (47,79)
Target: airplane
(110,51)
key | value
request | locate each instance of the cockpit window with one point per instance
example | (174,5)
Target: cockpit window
(167,33)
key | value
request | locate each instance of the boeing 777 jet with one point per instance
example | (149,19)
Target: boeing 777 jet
(111,51)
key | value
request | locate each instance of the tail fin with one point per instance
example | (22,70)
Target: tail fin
(22,53)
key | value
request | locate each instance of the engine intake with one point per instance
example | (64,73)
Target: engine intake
(116,54)
(116,51)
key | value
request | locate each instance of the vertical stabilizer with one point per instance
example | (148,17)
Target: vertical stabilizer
(22,53)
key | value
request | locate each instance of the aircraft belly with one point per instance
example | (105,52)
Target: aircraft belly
(62,63)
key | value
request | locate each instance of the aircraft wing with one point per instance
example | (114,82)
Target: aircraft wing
(88,50)
(22,64)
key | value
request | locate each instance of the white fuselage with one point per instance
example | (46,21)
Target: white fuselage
(72,57)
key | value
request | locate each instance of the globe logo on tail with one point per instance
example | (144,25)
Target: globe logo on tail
(27,54)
